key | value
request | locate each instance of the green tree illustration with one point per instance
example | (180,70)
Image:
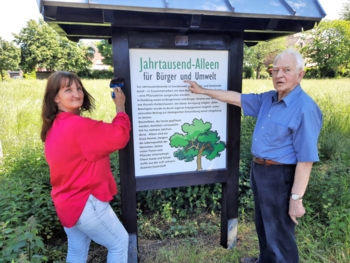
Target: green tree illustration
(198,141)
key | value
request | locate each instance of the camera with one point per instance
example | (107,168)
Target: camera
(116,82)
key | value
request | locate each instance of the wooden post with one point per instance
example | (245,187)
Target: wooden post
(229,208)
(120,47)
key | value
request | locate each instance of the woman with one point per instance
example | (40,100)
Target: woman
(77,151)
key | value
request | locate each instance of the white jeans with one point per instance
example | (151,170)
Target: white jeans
(99,223)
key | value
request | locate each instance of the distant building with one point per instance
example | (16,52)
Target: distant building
(296,41)
(17,73)
(43,73)
(97,63)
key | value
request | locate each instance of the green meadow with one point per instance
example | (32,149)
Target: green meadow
(175,225)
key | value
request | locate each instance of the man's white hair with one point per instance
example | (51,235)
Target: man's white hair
(293,52)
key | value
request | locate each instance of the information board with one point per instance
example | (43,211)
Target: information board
(174,130)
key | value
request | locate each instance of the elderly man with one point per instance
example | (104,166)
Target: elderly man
(284,147)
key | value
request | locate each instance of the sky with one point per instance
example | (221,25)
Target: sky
(14,14)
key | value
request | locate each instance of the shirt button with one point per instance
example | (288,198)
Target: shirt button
(262,127)
(269,115)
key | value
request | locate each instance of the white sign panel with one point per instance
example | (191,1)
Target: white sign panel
(174,130)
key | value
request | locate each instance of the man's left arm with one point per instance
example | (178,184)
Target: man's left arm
(301,180)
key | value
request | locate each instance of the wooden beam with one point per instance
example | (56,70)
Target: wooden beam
(163,181)
(165,21)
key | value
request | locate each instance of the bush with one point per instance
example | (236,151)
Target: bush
(264,75)
(248,72)
(22,243)
(5,75)
(102,74)
(346,73)
(326,72)
(84,74)
(246,204)
(328,200)
(181,202)
(312,73)
(25,192)
(31,75)
(96,74)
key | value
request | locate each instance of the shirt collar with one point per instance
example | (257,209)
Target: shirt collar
(289,98)
(64,115)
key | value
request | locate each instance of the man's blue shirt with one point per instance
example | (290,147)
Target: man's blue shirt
(286,131)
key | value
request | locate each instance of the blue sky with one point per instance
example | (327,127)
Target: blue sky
(15,14)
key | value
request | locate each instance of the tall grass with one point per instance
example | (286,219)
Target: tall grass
(19,114)
(20,111)
(332,96)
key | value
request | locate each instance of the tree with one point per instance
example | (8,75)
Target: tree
(256,56)
(40,46)
(106,51)
(9,56)
(345,11)
(198,141)
(76,57)
(330,48)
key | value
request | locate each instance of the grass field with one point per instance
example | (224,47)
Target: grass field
(323,233)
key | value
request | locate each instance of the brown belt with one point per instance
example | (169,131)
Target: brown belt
(265,162)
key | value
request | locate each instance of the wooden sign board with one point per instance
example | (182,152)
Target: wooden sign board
(178,138)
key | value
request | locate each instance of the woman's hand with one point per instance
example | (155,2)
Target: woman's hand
(119,99)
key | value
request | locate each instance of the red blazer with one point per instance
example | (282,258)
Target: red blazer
(77,151)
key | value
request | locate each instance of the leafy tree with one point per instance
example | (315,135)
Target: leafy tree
(198,141)
(345,11)
(106,51)
(256,56)
(76,57)
(330,48)
(40,46)
(9,56)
